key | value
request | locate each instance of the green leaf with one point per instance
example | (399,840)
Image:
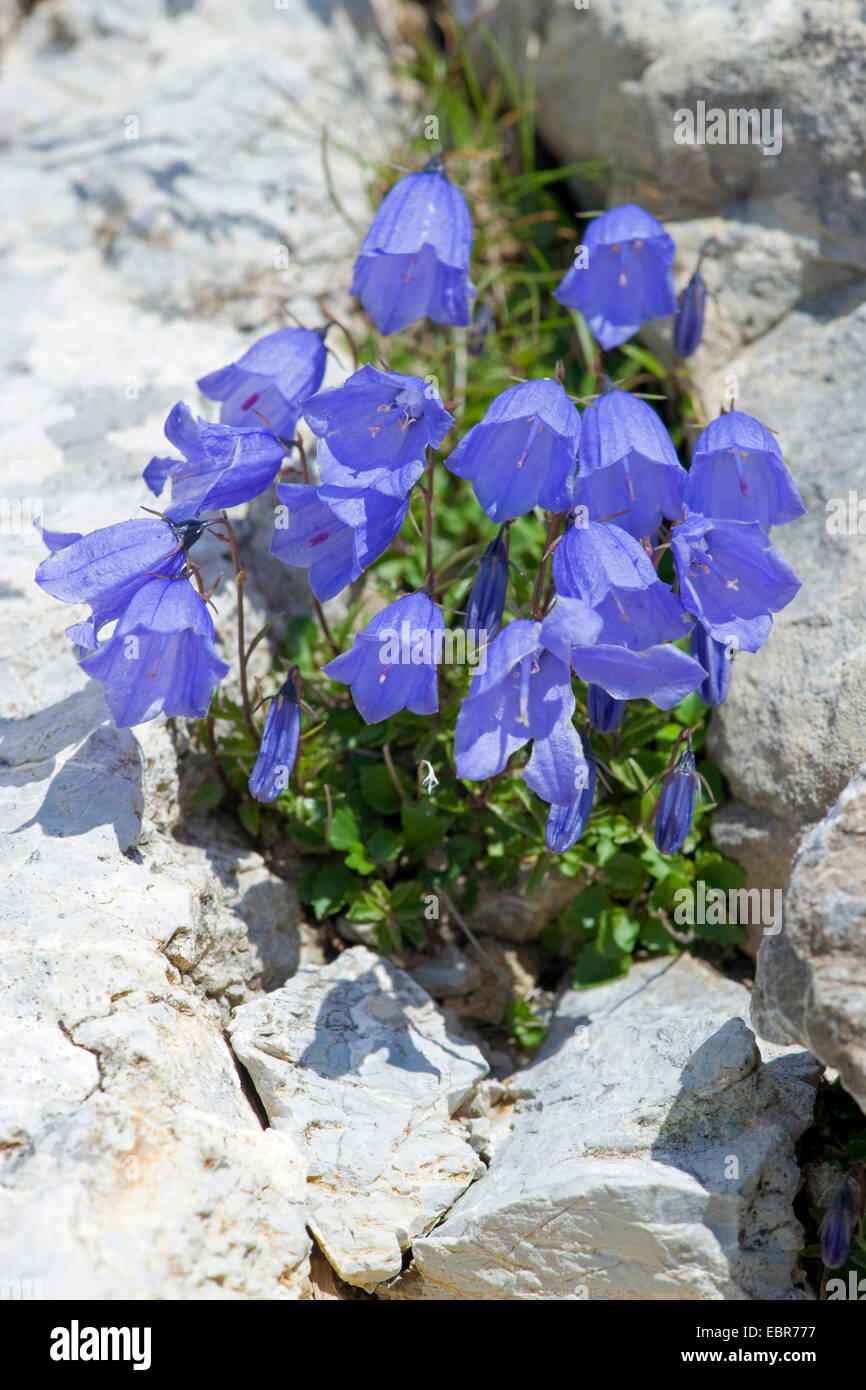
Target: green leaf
(617,933)
(423,826)
(378,790)
(249,814)
(325,889)
(525,1027)
(370,903)
(344,832)
(208,795)
(384,845)
(690,710)
(626,873)
(593,968)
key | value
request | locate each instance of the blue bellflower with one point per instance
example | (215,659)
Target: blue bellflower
(566,823)
(689,321)
(161,657)
(106,568)
(486,602)
(837,1229)
(333,532)
(716,659)
(278,750)
(629,469)
(525,693)
(628,278)
(270,380)
(731,578)
(221,466)
(737,474)
(415,258)
(376,428)
(393,663)
(676,805)
(523,452)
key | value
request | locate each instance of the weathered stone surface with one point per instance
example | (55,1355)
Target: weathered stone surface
(810,985)
(448,972)
(356,1061)
(648,1153)
(165,196)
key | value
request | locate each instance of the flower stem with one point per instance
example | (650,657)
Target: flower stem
(323,624)
(240,577)
(430,577)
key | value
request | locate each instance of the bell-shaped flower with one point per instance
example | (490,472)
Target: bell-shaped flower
(392,663)
(623,274)
(105,568)
(415,257)
(525,693)
(689,321)
(716,659)
(567,822)
(486,602)
(737,474)
(278,750)
(731,578)
(523,453)
(221,466)
(676,806)
(605,713)
(333,532)
(629,469)
(377,425)
(161,657)
(55,540)
(270,380)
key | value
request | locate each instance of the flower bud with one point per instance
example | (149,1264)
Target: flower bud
(715,657)
(483,323)
(837,1229)
(676,805)
(604,711)
(689,321)
(566,823)
(279,747)
(487,600)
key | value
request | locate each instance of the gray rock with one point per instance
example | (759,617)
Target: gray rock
(449,971)
(356,1062)
(649,1154)
(810,985)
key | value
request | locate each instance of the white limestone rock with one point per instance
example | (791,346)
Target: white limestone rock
(357,1063)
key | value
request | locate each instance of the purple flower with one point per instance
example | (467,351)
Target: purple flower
(270,380)
(837,1229)
(566,823)
(415,257)
(333,532)
(161,657)
(689,322)
(221,466)
(525,693)
(56,540)
(523,452)
(737,474)
(628,277)
(676,805)
(377,427)
(628,465)
(279,746)
(486,602)
(731,578)
(604,711)
(392,663)
(716,659)
(105,568)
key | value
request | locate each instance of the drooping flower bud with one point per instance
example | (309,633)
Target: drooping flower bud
(837,1229)
(487,599)
(604,711)
(279,746)
(483,323)
(566,823)
(676,805)
(716,659)
(689,321)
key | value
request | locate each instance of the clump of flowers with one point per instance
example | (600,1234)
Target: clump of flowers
(645,577)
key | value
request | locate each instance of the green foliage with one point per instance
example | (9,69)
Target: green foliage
(837,1138)
(379,846)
